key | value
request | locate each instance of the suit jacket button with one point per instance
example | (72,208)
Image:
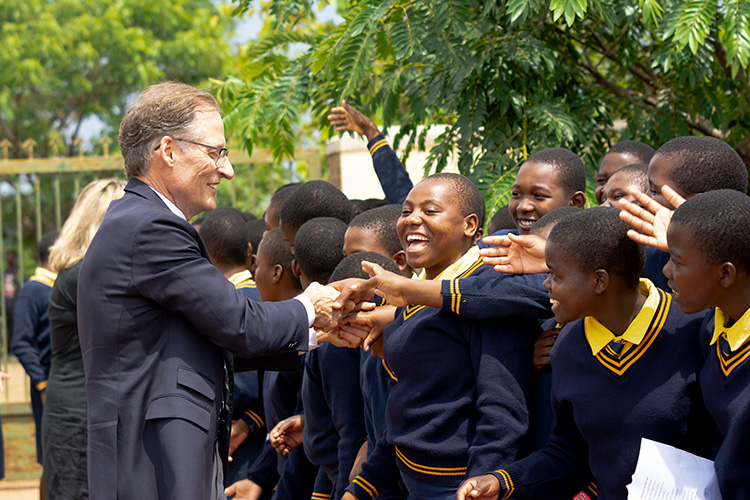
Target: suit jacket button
(292,345)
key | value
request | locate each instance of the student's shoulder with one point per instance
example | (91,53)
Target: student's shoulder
(569,340)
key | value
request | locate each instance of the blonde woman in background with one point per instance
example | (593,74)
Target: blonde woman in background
(64,420)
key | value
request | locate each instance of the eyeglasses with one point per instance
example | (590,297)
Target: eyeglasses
(223,152)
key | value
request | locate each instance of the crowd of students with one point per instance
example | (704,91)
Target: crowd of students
(526,364)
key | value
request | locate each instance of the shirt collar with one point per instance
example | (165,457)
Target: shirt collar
(44,275)
(736,334)
(457,268)
(598,335)
(171,206)
(241,277)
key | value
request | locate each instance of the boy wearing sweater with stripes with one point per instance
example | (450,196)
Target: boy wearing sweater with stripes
(625,367)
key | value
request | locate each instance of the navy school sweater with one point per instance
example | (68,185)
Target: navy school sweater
(460,400)
(30,340)
(655,262)
(334,410)
(725,380)
(603,406)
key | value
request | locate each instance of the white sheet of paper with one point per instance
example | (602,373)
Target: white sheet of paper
(667,473)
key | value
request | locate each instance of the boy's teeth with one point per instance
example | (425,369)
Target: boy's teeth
(554,302)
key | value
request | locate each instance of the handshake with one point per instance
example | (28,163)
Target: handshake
(344,312)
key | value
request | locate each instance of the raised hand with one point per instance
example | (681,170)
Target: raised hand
(518,254)
(347,119)
(651,219)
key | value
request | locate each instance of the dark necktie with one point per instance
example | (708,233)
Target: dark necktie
(616,346)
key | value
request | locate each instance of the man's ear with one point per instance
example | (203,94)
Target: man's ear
(578,199)
(278,273)
(601,281)
(296,269)
(728,274)
(166,150)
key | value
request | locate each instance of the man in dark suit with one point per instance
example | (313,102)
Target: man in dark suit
(157,320)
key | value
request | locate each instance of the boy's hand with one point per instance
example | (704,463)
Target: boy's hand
(486,487)
(371,322)
(240,432)
(287,434)
(347,119)
(543,346)
(517,255)
(3,376)
(386,284)
(651,219)
(244,490)
(350,296)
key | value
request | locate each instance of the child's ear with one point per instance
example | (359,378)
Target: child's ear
(400,259)
(278,273)
(250,257)
(728,274)
(296,269)
(471,225)
(578,199)
(601,281)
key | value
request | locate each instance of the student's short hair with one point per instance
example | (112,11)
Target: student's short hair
(382,222)
(637,175)
(255,230)
(501,220)
(319,247)
(469,198)
(642,152)
(351,265)
(720,224)
(702,164)
(279,252)
(279,197)
(42,248)
(567,164)
(248,216)
(360,206)
(315,199)
(225,234)
(597,238)
(547,221)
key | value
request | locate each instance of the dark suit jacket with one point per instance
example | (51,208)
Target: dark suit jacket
(156,320)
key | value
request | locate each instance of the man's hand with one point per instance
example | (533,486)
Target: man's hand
(651,219)
(350,296)
(518,254)
(244,490)
(322,298)
(287,434)
(370,322)
(486,487)
(543,346)
(347,119)
(240,432)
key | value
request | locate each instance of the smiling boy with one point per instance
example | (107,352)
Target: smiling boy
(548,179)
(625,366)
(459,403)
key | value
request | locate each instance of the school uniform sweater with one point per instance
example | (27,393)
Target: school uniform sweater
(604,404)
(725,380)
(393,177)
(460,400)
(334,410)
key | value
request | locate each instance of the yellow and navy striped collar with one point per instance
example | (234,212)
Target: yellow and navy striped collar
(598,335)
(737,334)
(463,264)
(44,276)
(242,279)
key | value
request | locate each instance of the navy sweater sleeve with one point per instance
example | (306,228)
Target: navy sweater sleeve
(334,410)
(378,471)
(30,341)
(393,177)
(489,294)
(263,471)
